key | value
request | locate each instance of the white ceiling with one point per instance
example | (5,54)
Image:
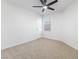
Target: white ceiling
(27,4)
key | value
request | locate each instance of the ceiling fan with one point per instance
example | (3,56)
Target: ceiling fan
(45,5)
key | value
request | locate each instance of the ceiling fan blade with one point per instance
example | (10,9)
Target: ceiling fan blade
(42,2)
(51,3)
(45,1)
(51,8)
(43,10)
(37,6)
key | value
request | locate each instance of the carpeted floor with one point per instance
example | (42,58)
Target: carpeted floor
(40,49)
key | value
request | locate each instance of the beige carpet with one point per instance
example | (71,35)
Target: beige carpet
(40,49)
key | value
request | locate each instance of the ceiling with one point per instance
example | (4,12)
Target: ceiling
(27,4)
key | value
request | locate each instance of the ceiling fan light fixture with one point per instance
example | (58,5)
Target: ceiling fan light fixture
(45,7)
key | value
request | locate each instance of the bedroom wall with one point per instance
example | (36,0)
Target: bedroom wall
(64,25)
(18,25)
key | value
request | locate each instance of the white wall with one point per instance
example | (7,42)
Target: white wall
(18,25)
(64,25)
